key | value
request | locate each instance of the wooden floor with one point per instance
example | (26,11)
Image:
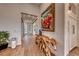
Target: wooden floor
(74,52)
(30,49)
(18,51)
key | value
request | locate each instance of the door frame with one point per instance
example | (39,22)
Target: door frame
(22,25)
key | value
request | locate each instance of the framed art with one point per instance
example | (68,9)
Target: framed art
(48,18)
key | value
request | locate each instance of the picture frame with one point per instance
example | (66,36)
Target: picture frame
(48,18)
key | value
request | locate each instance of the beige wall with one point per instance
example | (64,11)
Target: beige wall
(59,27)
(44,6)
(78,25)
(10,17)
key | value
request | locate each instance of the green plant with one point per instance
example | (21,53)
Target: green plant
(4,36)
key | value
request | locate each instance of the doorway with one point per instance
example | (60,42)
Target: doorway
(27,22)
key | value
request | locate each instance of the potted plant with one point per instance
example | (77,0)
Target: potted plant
(4,36)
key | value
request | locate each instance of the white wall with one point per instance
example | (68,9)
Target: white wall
(59,27)
(10,17)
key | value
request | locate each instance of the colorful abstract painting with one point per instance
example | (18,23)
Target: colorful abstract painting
(48,18)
